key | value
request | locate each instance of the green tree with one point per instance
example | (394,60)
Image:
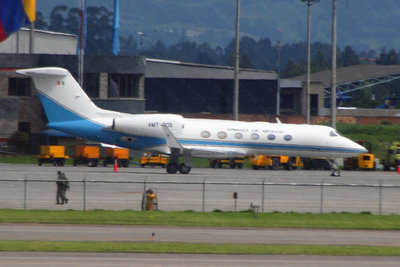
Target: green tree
(40,22)
(73,21)
(348,57)
(99,30)
(57,18)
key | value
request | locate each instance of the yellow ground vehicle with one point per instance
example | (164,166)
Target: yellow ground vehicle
(392,156)
(232,162)
(364,161)
(89,155)
(153,160)
(119,154)
(273,162)
(52,154)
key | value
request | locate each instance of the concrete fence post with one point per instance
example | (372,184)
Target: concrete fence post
(321,204)
(204,195)
(25,192)
(84,193)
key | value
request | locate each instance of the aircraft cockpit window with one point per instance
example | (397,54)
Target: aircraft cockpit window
(254,136)
(238,135)
(222,135)
(332,133)
(288,137)
(205,134)
(271,137)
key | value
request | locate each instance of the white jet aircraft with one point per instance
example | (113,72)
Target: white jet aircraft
(70,110)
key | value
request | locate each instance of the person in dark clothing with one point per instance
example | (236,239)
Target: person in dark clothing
(59,187)
(62,187)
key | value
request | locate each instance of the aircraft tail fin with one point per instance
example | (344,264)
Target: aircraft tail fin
(62,97)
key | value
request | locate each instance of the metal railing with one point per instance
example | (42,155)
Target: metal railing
(206,195)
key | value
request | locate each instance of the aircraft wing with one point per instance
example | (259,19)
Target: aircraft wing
(189,151)
(214,152)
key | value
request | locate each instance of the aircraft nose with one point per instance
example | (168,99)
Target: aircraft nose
(359,148)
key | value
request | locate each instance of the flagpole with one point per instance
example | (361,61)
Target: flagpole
(116,28)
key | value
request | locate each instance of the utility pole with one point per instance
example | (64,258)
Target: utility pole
(278,91)
(81,45)
(236,71)
(333,67)
(31,37)
(309,3)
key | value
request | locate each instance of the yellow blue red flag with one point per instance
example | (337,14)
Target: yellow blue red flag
(14,14)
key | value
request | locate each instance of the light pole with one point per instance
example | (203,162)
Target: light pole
(309,3)
(236,71)
(82,37)
(278,91)
(333,67)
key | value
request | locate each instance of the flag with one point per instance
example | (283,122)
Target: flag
(14,14)
(116,28)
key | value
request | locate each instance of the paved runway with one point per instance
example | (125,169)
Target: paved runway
(30,259)
(198,235)
(202,189)
(282,190)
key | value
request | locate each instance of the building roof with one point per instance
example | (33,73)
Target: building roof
(352,74)
(158,68)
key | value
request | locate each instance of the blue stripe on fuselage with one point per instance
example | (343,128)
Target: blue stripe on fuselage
(266,146)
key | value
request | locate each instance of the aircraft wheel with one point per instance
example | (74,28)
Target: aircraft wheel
(184,169)
(275,164)
(172,167)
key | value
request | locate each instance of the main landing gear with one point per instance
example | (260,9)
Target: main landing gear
(334,167)
(173,166)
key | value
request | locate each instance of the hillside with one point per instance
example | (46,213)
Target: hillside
(363,24)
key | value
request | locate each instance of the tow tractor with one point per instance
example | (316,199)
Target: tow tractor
(364,161)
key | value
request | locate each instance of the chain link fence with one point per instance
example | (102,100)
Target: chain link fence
(204,195)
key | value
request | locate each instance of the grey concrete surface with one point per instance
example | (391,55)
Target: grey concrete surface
(51,232)
(106,189)
(31,259)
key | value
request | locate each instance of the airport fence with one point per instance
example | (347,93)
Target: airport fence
(204,196)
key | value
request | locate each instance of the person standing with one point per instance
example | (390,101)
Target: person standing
(64,188)
(59,183)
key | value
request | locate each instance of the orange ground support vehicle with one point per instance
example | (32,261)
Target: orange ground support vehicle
(153,160)
(119,154)
(52,154)
(274,162)
(89,155)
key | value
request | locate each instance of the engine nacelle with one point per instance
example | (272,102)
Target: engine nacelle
(149,124)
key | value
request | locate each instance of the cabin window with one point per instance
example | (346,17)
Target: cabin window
(271,137)
(288,137)
(222,135)
(238,135)
(205,134)
(332,133)
(255,136)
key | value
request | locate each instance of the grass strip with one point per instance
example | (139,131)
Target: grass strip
(205,219)
(154,247)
